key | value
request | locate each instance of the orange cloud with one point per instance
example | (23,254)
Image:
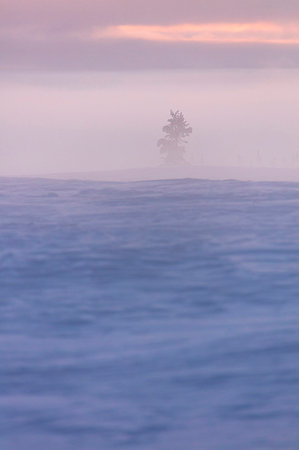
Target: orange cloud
(257,32)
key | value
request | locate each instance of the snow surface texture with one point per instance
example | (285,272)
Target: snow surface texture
(149,315)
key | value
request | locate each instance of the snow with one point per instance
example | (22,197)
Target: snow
(159,314)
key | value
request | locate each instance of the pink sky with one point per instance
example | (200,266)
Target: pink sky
(83,76)
(138,34)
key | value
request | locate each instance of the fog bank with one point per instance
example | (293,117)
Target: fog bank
(112,121)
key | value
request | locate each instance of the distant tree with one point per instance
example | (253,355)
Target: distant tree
(175,133)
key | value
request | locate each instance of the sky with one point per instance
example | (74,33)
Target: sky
(83,76)
(139,34)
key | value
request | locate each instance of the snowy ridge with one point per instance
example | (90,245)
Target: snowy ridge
(186,171)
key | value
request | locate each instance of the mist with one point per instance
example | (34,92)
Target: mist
(77,122)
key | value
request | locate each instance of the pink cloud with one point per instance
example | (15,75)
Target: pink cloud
(256,32)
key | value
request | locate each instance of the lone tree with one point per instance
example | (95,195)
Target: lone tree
(175,133)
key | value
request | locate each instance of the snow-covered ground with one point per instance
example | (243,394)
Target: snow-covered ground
(163,172)
(149,315)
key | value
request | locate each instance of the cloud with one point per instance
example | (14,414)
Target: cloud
(44,55)
(260,32)
(138,34)
(69,14)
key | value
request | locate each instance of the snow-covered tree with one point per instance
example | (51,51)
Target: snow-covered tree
(175,131)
